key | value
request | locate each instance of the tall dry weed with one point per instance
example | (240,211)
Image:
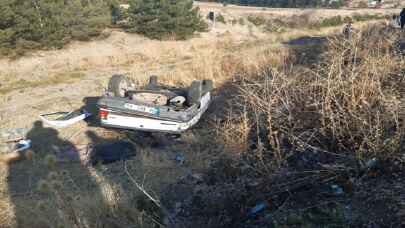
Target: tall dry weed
(349,103)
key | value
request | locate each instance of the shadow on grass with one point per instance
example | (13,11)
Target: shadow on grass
(90,105)
(44,191)
(307,50)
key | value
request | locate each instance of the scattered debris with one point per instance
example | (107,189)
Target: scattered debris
(23,145)
(12,135)
(198,176)
(256,209)
(15,151)
(179,158)
(268,216)
(13,140)
(19,146)
(64,119)
(336,189)
(371,163)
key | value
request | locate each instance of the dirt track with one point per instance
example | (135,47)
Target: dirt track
(286,12)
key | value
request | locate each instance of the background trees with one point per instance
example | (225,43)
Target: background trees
(161,19)
(32,24)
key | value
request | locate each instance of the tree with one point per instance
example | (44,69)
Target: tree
(7,21)
(160,19)
(30,24)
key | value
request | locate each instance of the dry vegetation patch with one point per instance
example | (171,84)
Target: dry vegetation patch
(309,130)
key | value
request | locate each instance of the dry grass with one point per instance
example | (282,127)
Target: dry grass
(349,103)
(59,78)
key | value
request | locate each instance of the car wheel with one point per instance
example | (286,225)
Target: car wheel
(119,85)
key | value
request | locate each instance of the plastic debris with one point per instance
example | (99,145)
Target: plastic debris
(23,145)
(180,158)
(268,216)
(371,163)
(12,142)
(256,209)
(336,189)
(64,119)
(11,147)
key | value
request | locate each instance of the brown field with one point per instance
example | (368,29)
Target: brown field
(234,57)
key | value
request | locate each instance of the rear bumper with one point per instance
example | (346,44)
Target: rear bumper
(145,123)
(141,129)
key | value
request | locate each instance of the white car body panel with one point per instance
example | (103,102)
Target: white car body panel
(119,120)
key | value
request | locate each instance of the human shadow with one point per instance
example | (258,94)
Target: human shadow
(46,191)
(113,154)
(90,105)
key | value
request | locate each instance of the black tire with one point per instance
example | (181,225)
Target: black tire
(195,92)
(208,86)
(119,85)
(197,89)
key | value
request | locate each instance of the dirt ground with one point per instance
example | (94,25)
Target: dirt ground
(286,12)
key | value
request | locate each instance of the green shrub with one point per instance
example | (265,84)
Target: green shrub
(367,17)
(257,20)
(331,21)
(220,18)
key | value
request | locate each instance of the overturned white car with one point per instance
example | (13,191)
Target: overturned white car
(154,107)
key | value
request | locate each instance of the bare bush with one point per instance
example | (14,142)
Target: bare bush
(350,103)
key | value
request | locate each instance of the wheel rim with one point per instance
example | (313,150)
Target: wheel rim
(123,88)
